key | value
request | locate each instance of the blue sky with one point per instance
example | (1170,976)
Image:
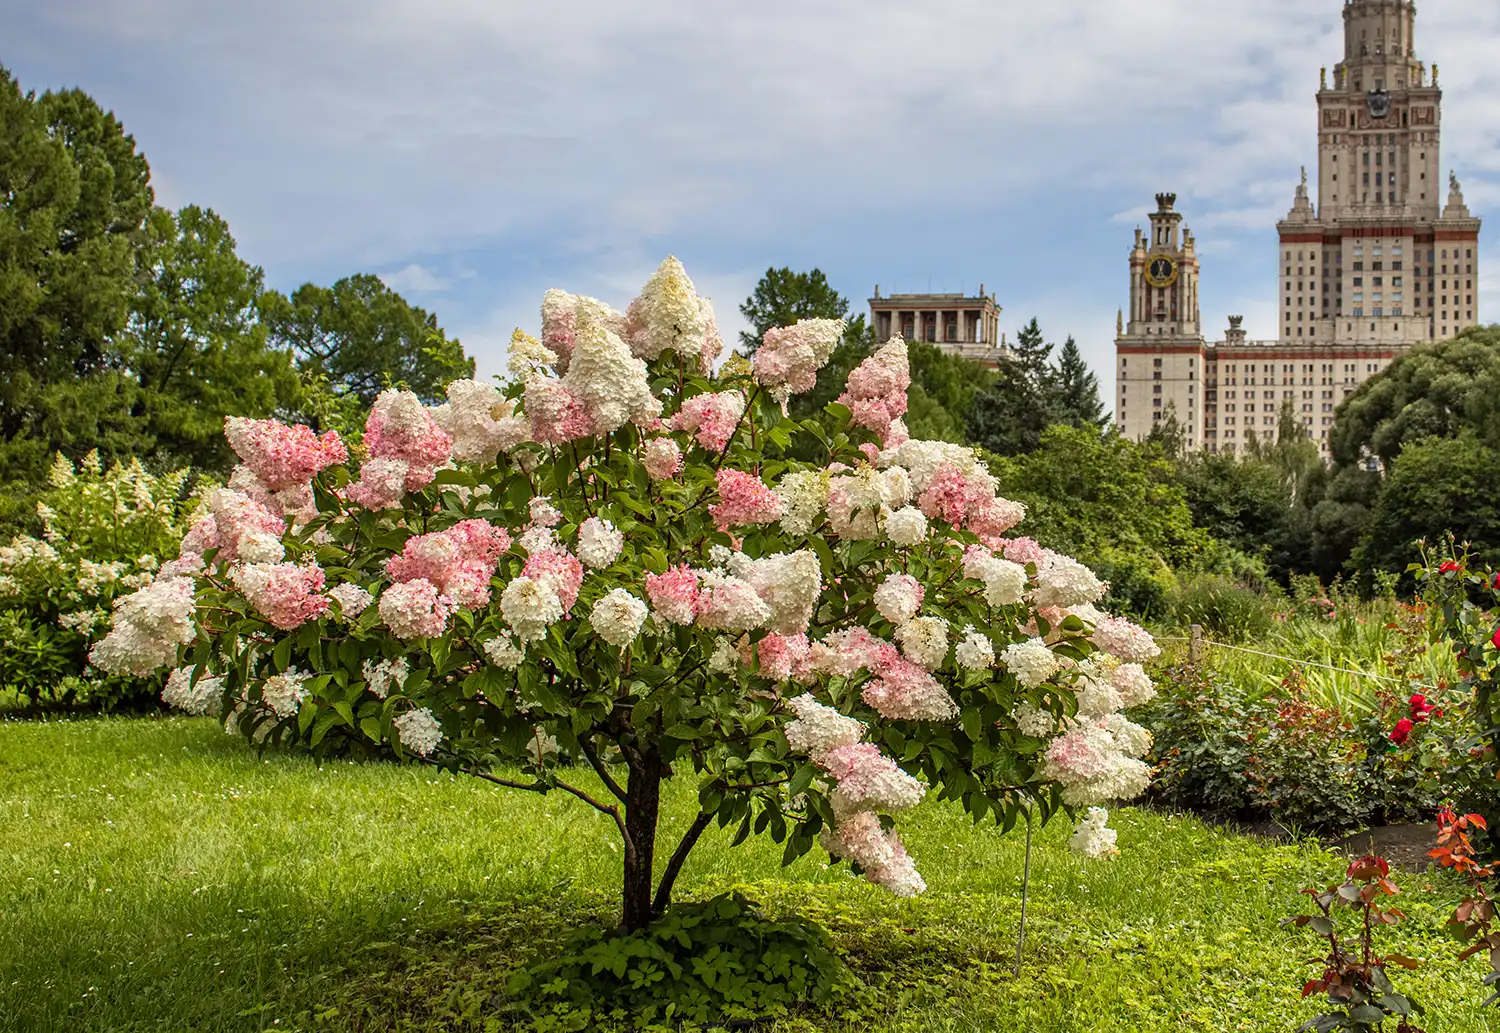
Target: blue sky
(477,152)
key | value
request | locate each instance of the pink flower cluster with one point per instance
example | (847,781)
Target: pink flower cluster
(662,459)
(557,414)
(876,389)
(674,595)
(406,448)
(710,418)
(282,457)
(744,500)
(898,689)
(1119,637)
(865,781)
(286,594)
(789,357)
(966,501)
(786,658)
(459,561)
(1023,551)
(415,609)
(239,527)
(559,569)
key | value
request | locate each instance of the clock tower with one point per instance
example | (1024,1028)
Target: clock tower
(1164,277)
(1160,347)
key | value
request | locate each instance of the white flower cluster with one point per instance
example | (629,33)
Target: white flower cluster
(1065,582)
(504,653)
(419,731)
(481,421)
(906,527)
(788,584)
(819,729)
(284,692)
(803,496)
(352,600)
(1097,760)
(1092,838)
(976,652)
(618,617)
(599,544)
(924,641)
(199,699)
(530,605)
(612,384)
(148,627)
(384,676)
(859,503)
(898,598)
(1031,662)
(1004,581)
(725,658)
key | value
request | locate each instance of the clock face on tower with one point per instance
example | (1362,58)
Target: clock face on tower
(1161,272)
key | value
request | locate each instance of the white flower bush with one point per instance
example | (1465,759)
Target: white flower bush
(103,533)
(613,557)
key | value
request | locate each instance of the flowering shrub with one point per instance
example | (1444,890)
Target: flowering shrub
(612,557)
(103,534)
(1474,920)
(1467,617)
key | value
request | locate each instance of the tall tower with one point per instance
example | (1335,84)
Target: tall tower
(1163,338)
(1372,264)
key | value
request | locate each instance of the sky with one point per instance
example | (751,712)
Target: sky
(476,152)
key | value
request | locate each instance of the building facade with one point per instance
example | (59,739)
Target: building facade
(960,325)
(1387,259)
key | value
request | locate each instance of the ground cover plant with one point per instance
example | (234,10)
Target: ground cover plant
(610,559)
(159,876)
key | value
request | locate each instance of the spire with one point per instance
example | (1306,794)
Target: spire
(1120,323)
(1379,46)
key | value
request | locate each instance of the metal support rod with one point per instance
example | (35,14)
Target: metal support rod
(1025,895)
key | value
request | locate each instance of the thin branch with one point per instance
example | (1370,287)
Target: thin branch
(544,788)
(679,857)
(604,776)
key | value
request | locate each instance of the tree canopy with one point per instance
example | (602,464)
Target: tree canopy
(363,337)
(1437,390)
(782,297)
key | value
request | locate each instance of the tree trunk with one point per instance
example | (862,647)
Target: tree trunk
(642,802)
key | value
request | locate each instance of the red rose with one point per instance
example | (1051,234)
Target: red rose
(1417,700)
(1402,731)
(1449,567)
(1496,639)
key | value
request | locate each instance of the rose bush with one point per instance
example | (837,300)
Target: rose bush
(1466,601)
(612,557)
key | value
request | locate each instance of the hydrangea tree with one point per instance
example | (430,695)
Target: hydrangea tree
(609,562)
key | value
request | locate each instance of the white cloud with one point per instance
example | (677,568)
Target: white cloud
(415,279)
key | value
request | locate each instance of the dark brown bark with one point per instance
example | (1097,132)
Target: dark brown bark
(642,804)
(674,865)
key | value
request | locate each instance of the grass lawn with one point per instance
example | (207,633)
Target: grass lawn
(156,875)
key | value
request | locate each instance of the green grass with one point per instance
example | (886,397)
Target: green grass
(156,875)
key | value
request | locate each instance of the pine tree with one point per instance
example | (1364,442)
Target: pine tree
(1078,401)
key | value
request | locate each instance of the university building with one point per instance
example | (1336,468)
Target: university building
(1386,260)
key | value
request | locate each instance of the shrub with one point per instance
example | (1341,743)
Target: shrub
(1226,610)
(631,569)
(703,963)
(1466,601)
(103,533)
